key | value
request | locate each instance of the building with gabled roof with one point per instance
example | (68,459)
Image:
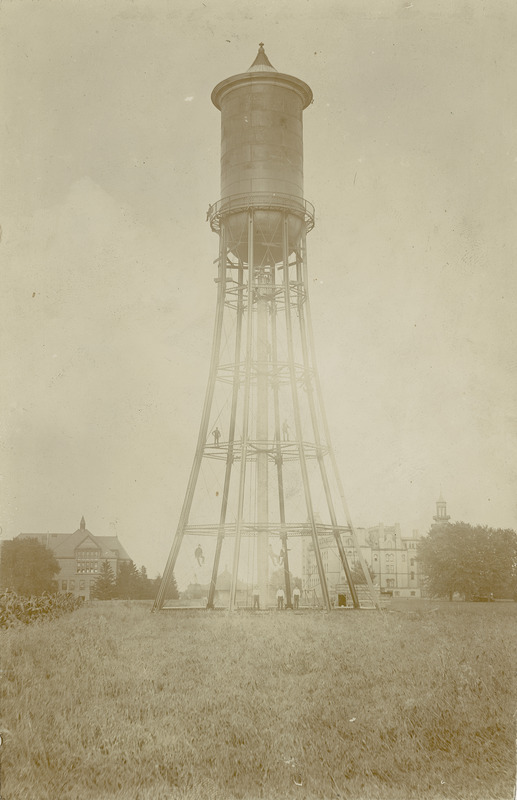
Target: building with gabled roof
(80,556)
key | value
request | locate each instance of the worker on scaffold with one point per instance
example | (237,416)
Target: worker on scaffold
(216,433)
(198,553)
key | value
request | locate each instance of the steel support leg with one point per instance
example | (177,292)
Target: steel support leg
(231,438)
(203,430)
(278,449)
(329,444)
(261,429)
(298,420)
(317,437)
(245,415)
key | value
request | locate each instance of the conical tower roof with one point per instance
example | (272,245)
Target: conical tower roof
(262,62)
(261,72)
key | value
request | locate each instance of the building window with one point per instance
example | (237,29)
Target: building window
(412,576)
(64,585)
(72,584)
(412,562)
(412,594)
(81,584)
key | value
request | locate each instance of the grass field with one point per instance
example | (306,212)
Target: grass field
(113,702)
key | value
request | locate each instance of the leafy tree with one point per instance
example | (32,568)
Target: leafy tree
(471,560)
(28,567)
(277,578)
(104,587)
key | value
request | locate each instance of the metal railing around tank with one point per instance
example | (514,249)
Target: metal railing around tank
(274,201)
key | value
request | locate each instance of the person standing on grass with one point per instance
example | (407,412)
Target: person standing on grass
(280,597)
(296,597)
(256,598)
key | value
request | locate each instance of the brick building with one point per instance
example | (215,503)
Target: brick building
(390,555)
(393,560)
(80,556)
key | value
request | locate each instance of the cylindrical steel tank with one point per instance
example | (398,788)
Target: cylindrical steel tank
(261,157)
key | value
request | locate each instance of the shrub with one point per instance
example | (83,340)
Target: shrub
(16,609)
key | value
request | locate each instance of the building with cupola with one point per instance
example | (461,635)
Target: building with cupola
(80,556)
(390,554)
(441,517)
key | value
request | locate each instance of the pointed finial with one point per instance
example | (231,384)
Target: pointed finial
(262,62)
(82,524)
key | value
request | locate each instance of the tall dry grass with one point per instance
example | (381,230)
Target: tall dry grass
(113,702)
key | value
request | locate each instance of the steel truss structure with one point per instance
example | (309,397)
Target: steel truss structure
(265,370)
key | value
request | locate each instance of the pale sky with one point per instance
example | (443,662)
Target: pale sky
(110,157)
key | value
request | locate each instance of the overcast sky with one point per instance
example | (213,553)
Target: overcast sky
(110,157)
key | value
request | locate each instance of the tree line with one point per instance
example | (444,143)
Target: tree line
(29,568)
(129,583)
(474,561)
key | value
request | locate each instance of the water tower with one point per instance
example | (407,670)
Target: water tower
(263,437)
